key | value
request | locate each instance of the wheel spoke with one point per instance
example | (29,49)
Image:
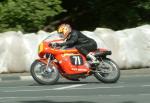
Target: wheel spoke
(43,76)
(107,71)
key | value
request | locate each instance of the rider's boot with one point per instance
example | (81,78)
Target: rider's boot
(93,59)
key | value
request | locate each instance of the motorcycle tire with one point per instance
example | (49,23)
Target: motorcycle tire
(103,73)
(43,77)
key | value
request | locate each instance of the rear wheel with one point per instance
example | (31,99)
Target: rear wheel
(107,71)
(43,76)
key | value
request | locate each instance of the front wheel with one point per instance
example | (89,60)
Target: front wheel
(107,71)
(41,75)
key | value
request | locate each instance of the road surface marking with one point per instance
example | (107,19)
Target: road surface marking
(145,85)
(80,96)
(26,78)
(67,87)
(60,88)
(73,87)
(114,87)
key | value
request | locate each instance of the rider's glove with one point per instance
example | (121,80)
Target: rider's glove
(55,44)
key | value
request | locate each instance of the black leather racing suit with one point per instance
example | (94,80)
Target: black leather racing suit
(81,42)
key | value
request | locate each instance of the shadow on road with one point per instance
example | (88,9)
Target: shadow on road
(67,83)
(46,101)
(60,83)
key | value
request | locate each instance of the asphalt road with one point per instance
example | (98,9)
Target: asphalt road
(131,88)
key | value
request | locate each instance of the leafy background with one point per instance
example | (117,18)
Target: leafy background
(33,15)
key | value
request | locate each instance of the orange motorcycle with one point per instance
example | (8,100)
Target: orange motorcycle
(68,62)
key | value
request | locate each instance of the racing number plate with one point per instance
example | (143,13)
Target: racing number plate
(76,60)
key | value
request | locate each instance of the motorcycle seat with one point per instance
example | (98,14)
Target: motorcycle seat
(102,52)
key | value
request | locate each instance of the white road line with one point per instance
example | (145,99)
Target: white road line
(145,85)
(73,87)
(60,88)
(80,96)
(114,87)
(26,78)
(67,87)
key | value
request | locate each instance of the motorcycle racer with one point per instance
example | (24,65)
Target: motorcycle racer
(74,38)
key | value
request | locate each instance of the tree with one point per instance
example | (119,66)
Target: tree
(115,14)
(32,15)
(27,15)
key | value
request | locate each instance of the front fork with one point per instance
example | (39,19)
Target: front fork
(48,65)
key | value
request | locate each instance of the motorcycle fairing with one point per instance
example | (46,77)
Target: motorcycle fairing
(72,63)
